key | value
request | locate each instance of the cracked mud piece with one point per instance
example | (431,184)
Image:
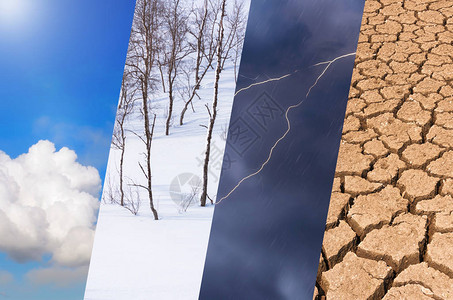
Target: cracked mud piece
(397,244)
(440,284)
(355,278)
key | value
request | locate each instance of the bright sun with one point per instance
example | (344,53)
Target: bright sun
(12,10)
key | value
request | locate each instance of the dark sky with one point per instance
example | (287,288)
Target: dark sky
(266,237)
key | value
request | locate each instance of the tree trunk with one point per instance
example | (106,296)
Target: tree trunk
(194,93)
(186,106)
(170,108)
(162,78)
(199,47)
(153,209)
(121,166)
(213,115)
(183,112)
(197,66)
(149,138)
(204,193)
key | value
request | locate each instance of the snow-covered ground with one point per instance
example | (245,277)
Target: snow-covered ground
(135,257)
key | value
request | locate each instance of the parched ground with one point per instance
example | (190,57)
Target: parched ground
(389,231)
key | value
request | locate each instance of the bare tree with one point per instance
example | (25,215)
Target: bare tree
(200,22)
(213,112)
(224,134)
(125,109)
(143,48)
(108,194)
(189,198)
(132,200)
(173,51)
(237,23)
(205,18)
(205,43)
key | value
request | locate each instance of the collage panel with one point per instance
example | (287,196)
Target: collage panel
(167,149)
(281,150)
(61,64)
(389,227)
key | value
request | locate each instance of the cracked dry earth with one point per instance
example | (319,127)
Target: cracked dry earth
(389,231)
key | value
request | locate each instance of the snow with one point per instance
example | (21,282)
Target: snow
(135,257)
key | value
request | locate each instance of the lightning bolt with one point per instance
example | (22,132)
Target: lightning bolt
(328,63)
(270,153)
(265,81)
(288,122)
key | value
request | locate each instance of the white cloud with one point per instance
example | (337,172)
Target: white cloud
(92,138)
(48,205)
(57,276)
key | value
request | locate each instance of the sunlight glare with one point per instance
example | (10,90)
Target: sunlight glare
(12,11)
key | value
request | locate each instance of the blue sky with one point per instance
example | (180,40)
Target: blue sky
(61,64)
